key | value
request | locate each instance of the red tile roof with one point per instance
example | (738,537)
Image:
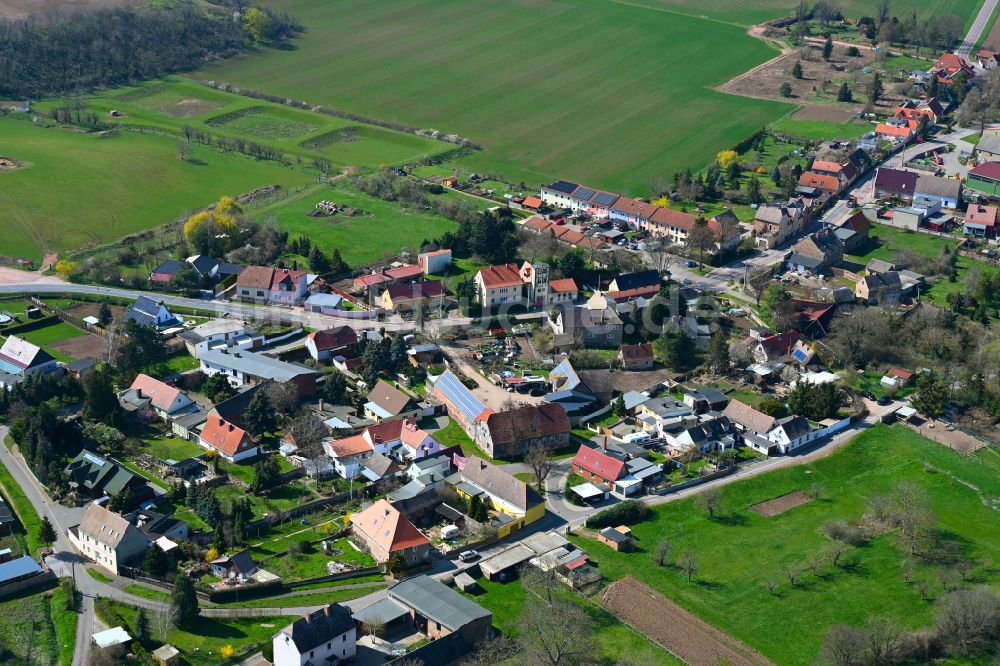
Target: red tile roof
(222,435)
(632,294)
(161,395)
(503,275)
(405,272)
(820,182)
(386,526)
(892,130)
(980,214)
(825,165)
(858,222)
(673,218)
(597,462)
(634,207)
(417,290)
(255,277)
(564,286)
(642,352)
(988,170)
(334,338)
(902,374)
(348,446)
(537,223)
(532,202)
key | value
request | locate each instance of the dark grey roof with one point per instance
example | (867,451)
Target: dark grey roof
(446,650)
(563,186)
(257,365)
(169,267)
(383,611)
(319,627)
(203,264)
(225,268)
(805,260)
(233,408)
(448,512)
(611,534)
(436,601)
(81,364)
(795,426)
(243,562)
(144,311)
(5,515)
(711,395)
(23,566)
(635,280)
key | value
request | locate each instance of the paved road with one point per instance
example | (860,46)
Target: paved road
(981,24)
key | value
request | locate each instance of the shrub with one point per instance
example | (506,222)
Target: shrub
(841,531)
(623,513)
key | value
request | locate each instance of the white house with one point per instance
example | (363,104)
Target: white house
(107,538)
(231,442)
(325,636)
(434,263)
(792,432)
(147,312)
(219,334)
(348,454)
(166,400)
(333,342)
(323,303)
(19,358)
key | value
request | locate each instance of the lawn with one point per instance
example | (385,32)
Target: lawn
(310,564)
(202,645)
(25,511)
(740,550)
(51,334)
(818,130)
(377,227)
(99,576)
(611,640)
(173,102)
(80,189)
(316,599)
(147,592)
(36,628)
(282,498)
(172,448)
(453,435)
(537,106)
(175,364)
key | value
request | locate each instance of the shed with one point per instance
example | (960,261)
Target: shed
(465,582)
(588,491)
(166,655)
(502,564)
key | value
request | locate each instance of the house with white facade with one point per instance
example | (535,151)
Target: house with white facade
(267,285)
(229,440)
(325,636)
(166,400)
(107,539)
(20,358)
(220,334)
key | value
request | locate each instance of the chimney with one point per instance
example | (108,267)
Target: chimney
(230,427)
(604,443)
(221,421)
(321,404)
(326,610)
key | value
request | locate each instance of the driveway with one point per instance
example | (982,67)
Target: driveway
(491,395)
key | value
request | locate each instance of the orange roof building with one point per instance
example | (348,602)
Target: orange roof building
(231,442)
(825,184)
(387,532)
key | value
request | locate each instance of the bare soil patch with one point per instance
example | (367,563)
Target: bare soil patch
(8,164)
(992,40)
(93,310)
(189,107)
(820,78)
(778,505)
(87,346)
(825,113)
(664,622)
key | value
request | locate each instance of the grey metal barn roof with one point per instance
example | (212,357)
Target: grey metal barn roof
(436,601)
(257,365)
(23,566)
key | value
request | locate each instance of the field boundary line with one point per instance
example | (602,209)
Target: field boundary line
(664,10)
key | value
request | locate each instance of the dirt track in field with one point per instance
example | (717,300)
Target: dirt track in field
(664,622)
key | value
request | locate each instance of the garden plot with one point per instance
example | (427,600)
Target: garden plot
(175,102)
(779,505)
(264,123)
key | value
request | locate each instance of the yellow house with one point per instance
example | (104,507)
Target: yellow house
(507,496)
(411,297)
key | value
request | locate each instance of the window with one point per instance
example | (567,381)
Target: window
(329,643)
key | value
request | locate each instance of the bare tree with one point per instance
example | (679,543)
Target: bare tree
(884,637)
(836,552)
(373,626)
(771,584)
(282,395)
(758,283)
(660,258)
(540,582)
(689,563)
(792,572)
(161,623)
(844,646)
(541,464)
(709,501)
(967,621)
(663,552)
(914,514)
(816,562)
(554,634)
(493,650)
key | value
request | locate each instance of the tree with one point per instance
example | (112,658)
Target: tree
(318,262)
(227,651)
(674,348)
(786,89)
(797,70)
(875,89)
(754,194)
(211,554)
(913,514)
(968,621)
(931,396)
(709,501)
(46,533)
(792,572)
(259,415)
(689,563)
(184,601)
(844,646)
(217,388)
(266,474)
(258,23)
(701,237)
(572,264)
(827,48)
(155,561)
(663,552)
(554,634)
(104,314)
(143,346)
(773,407)
(142,625)
(845,94)
(100,403)
(186,280)
(396,563)
(540,462)
(726,158)
(66,269)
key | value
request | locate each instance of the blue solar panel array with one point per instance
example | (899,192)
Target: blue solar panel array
(605,199)
(584,194)
(456,393)
(563,186)
(799,355)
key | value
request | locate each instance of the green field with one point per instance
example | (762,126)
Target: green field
(51,334)
(543,105)
(748,12)
(167,448)
(740,550)
(820,130)
(37,629)
(79,189)
(379,227)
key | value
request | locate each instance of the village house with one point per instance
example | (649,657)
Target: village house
(166,271)
(673,225)
(589,326)
(980,221)
(852,230)
(266,285)
(514,432)
(604,471)
(895,130)
(817,253)
(877,288)
(328,304)
(227,439)
(915,109)
(327,635)
(401,439)
(238,568)
(951,65)
(559,194)
(348,454)
(405,298)
(515,501)
(167,401)
(947,191)
(563,291)
(434,263)
(95,476)
(107,539)
(324,345)
(386,532)
(770,347)
(894,184)
(657,416)
(984,182)
(20,358)
(988,148)
(499,285)
(774,225)
(824,183)
(633,212)
(728,233)
(372,284)
(147,312)
(636,357)
(437,611)
(462,405)
(249,368)
(211,269)
(386,402)
(219,334)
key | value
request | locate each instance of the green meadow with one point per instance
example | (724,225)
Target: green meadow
(740,550)
(76,189)
(604,92)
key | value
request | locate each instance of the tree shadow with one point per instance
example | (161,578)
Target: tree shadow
(732,519)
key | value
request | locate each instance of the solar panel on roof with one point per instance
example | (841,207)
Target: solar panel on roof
(584,193)
(605,199)
(563,186)
(799,355)
(460,396)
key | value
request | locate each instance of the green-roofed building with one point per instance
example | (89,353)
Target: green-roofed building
(93,475)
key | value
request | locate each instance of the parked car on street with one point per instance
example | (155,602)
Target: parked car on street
(468,555)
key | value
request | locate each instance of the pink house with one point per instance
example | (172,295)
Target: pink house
(600,203)
(263,284)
